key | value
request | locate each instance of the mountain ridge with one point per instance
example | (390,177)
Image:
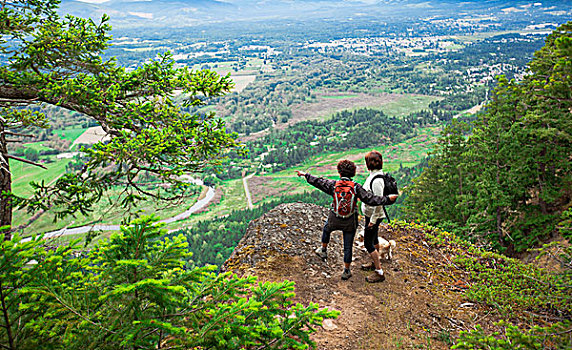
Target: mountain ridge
(181,13)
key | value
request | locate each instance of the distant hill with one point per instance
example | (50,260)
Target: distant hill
(181,13)
(126,13)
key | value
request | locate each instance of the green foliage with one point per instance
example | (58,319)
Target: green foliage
(31,154)
(538,300)
(132,291)
(556,336)
(565,225)
(24,265)
(445,177)
(508,182)
(514,287)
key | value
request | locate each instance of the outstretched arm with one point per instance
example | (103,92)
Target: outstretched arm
(324,185)
(373,200)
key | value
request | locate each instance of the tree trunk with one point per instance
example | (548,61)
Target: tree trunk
(542,181)
(5,187)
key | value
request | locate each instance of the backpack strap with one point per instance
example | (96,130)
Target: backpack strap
(385,212)
(379,176)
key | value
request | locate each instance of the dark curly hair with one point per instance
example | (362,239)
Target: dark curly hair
(374,160)
(346,168)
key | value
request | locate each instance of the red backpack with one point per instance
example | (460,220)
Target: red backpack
(345,198)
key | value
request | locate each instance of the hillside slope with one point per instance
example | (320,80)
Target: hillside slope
(421,302)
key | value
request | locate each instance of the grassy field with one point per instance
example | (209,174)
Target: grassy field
(408,104)
(70,134)
(107,211)
(38,146)
(23,174)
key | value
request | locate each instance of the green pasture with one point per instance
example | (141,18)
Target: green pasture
(38,146)
(23,174)
(71,133)
(408,104)
(254,62)
(106,211)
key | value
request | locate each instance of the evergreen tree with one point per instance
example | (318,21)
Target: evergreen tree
(132,292)
(48,60)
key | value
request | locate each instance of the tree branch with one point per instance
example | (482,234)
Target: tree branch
(18,134)
(26,161)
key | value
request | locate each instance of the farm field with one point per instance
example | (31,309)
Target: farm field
(23,174)
(104,212)
(264,187)
(390,104)
(70,133)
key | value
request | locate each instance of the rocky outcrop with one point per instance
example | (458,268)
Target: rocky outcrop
(420,302)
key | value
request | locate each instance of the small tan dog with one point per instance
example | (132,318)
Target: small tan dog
(386,248)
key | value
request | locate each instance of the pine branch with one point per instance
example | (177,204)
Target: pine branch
(18,134)
(26,161)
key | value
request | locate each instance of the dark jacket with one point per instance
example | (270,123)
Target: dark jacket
(327,186)
(337,223)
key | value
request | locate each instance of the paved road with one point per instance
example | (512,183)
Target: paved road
(85,229)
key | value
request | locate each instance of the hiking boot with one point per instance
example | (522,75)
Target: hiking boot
(375,277)
(346,274)
(322,254)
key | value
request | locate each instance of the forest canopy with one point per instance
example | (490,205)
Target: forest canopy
(506,179)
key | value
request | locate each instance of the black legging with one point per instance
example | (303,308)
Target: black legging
(349,236)
(370,239)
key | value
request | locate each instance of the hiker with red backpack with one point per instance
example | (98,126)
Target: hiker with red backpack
(343,214)
(374,215)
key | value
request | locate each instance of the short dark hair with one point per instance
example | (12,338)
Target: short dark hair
(374,160)
(346,168)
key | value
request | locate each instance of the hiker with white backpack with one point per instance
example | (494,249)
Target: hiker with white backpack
(343,214)
(374,215)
